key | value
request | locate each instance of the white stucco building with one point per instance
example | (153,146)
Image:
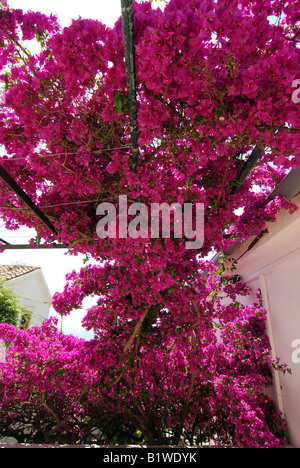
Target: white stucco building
(271,264)
(29,284)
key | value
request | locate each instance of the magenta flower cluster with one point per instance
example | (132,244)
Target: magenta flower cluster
(57,388)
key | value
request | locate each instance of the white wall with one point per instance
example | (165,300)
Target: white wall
(33,293)
(273,265)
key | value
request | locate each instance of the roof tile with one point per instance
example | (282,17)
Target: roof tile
(8,272)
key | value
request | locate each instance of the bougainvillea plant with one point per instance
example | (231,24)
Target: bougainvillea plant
(176,357)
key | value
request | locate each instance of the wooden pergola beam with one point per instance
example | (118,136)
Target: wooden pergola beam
(129,52)
(14,186)
(31,247)
(250,163)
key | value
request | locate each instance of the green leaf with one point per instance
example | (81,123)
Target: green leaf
(120,103)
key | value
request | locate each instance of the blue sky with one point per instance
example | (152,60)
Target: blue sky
(56,264)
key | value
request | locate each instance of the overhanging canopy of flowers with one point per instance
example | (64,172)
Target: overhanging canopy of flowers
(214,82)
